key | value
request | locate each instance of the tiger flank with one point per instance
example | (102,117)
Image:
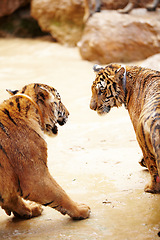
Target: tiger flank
(139,90)
(24,174)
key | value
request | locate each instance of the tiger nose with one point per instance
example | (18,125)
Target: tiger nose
(93,105)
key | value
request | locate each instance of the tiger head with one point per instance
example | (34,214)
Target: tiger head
(48,101)
(107,89)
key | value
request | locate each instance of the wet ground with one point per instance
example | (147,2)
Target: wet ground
(95,159)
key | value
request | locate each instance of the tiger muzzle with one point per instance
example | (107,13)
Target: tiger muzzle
(62,121)
(93,105)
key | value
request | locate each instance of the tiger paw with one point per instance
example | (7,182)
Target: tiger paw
(31,210)
(36,209)
(151,7)
(82,212)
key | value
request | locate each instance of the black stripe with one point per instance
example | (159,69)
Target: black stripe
(3,128)
(11,104)
(56,206)
(19,188)
(27,109)
(157,117)
(46,204)
(24,89)
(18,104)
(36,85)
(26,196)
(8,114)
(1,166)
(111,94)
(114,86)
(1,199)
(156,144)
(3,150)
(150,75)
(42,95)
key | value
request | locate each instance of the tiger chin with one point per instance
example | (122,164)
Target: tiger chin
(137,89)
(25,181)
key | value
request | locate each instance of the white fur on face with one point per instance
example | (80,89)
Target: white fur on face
(101,85)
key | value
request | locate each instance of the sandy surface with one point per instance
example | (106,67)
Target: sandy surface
(95,159)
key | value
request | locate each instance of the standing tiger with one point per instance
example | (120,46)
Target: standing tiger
(24,174)
(91,7)
(139,90)
(133,3)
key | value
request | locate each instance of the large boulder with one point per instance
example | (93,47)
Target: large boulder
(20,24)
(63,19)
(9,6)
(113,37)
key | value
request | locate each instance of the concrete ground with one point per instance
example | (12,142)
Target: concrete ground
(95,159)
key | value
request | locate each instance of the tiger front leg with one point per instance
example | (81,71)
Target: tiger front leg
(153,6)
(21,208)
(48,193)
(127,9)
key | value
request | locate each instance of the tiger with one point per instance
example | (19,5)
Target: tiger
(138,89)
(90,9)
(134,3)
(25,181)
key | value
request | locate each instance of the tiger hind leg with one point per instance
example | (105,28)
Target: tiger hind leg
(154,185)
(23,209)
(127,9)
(90,10)
(35,210)
(153,6)
(153,162)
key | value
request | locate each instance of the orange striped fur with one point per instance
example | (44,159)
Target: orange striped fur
(139,90)
(24,117)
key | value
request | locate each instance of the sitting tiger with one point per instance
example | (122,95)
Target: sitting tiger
(133,3)
(139,90)
(24,174)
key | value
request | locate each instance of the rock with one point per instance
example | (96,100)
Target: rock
(20,24)
(63,19)
(9,6)
(113,37)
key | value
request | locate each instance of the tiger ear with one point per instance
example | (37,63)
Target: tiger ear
(121,72)
(43,93)
(12,92)
(97,68)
